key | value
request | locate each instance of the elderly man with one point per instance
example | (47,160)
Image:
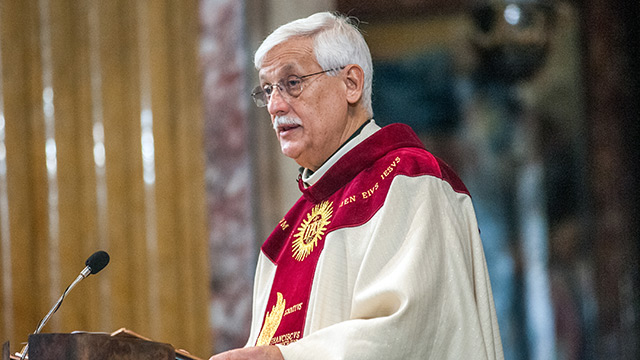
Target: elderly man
(381,257)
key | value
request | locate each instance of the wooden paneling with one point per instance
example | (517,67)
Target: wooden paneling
(120,73)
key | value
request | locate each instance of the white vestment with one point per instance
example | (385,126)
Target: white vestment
(387,239)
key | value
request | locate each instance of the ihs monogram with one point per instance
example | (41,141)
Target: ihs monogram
(311,230)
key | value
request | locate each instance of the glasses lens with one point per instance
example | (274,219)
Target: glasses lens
(259,96)
(268,90)
(293,85)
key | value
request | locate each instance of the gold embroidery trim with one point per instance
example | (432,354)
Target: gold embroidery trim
(311,230)
(272,321)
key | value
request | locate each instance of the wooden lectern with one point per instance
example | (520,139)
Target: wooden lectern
(120,345)
(86,346)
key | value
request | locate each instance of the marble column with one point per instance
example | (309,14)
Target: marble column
(232,249)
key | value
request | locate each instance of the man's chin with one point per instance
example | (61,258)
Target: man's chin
(289,150)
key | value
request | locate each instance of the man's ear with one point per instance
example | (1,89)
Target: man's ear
(354,80)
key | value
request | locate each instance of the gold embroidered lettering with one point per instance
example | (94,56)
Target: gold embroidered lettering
(293,309)
(390,168)
(348,200)
(368,193)
(283,224)
(286,339)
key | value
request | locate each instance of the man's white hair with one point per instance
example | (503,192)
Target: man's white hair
(336,42)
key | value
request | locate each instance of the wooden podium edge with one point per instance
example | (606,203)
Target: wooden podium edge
(180,354)
(122,332)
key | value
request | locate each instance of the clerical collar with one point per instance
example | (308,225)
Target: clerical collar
(309,177)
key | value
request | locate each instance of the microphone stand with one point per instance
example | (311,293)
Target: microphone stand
(83,274)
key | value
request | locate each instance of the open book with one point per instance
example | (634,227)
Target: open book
(180,354)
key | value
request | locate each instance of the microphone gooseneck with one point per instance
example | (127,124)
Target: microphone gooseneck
(96,262)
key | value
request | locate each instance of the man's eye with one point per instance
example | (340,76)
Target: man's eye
(267,89)
(293,82)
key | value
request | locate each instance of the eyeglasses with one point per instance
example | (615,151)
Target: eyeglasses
(292,85)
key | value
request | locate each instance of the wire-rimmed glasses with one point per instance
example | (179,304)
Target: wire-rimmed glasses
(292,85)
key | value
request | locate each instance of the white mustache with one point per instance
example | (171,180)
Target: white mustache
(286,120)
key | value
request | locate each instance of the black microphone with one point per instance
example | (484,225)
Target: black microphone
(96,262)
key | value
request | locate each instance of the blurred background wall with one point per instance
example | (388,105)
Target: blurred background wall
(127,126)
(101,148)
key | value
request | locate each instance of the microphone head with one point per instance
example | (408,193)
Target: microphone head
(97,261)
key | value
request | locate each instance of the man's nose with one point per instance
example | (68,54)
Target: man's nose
(277,103)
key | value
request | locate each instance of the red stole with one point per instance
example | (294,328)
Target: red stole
(303,239)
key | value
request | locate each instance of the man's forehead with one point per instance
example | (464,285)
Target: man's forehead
(280,68)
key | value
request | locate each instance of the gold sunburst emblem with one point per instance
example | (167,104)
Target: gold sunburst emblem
(311,230)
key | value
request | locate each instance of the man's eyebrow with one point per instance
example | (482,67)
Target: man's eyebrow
(285,70)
